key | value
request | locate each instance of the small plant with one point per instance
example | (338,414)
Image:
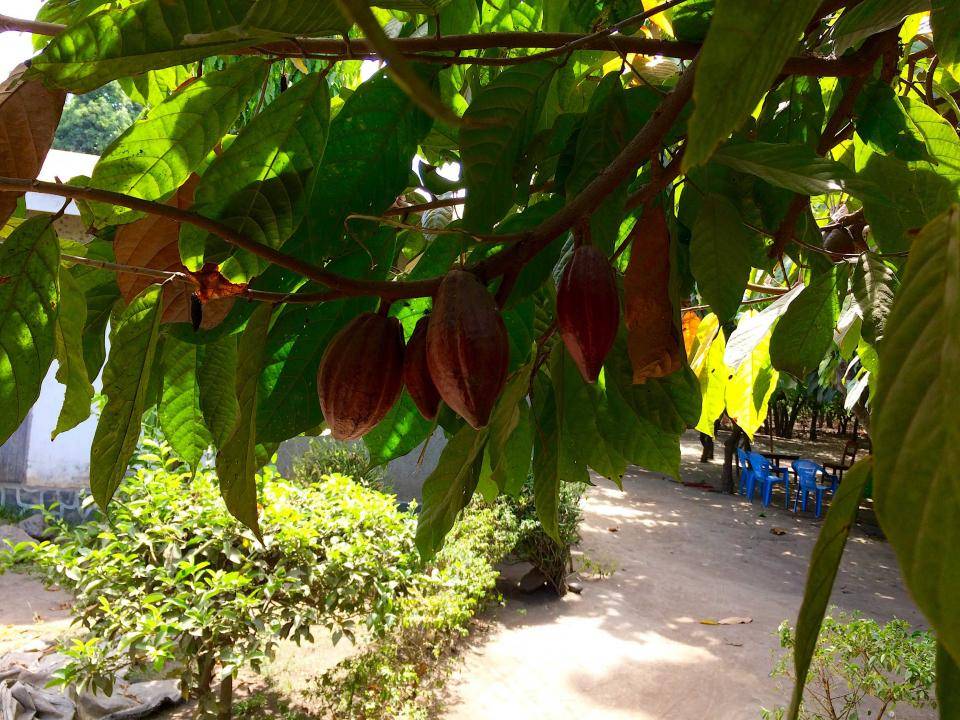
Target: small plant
(533,543)
(171,583)
(325,456)
(861,669)
(396,677)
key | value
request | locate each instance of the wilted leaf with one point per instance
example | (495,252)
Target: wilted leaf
(689,323)
(29,114)
(655,349)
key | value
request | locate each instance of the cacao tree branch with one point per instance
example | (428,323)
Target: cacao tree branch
(163,275)
(37,27)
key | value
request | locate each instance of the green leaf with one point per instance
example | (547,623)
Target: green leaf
(948,684)
(153,87)
(29,260)
(884,125)
(500,122)
(752,328)
(258,186)
(915,426)
(449,488)
(745,49)
(720,252)
(179,412)
(824,564)
(238,461)
(126,380)
(874,287)
(805,332)
(510,461)
(71,370)
(157,154)
(869,18)
(551,464)
(370,147)
(303,18)
(148,35)
(945,23)
(604,133)
(101,293)
(216,379)
(794,167)
(793,113)
(400,432)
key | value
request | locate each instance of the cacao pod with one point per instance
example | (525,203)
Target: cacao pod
(468,352)
(361,375)
(416,373)
(588,309)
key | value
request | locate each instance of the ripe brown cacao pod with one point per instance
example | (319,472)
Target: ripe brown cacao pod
(361,375)
(468,352)
(416,373)
(588,309)
(841,241)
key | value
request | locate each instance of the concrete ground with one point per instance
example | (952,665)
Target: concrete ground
(633,645)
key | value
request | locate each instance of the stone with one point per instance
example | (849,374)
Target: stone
(532,581)
(35,526)
(13,535)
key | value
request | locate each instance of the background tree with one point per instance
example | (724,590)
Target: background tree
(92,121)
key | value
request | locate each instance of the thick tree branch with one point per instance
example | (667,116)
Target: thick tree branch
(37,27)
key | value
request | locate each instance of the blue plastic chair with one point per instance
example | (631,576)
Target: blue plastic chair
(746,474)
(767,476)
(807,471)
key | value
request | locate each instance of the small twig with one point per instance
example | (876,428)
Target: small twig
(420,228)
(164,275)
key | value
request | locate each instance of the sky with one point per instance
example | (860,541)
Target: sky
(16,47)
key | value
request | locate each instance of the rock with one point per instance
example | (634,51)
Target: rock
(13,535)
(34,526)
(575,587)
(532,581)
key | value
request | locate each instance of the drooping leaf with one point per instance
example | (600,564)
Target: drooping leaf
(101,293)
(238,460)
(793,113)
(868,18)
(948,684)
(720,253)
(551,462)
(500,122)
(655,349)
(744,51)
(179,410)
(71,370)
(712,373)
(306,18)
(945,22)
(126,381)
(29,114)
(884,125)
(824,564)
(366,165)
(216,378)
(601,138)
(805,332)
(157,154)
(29,299)
(874,286)
(794,167)
(753,327)
(915,426)
(748,389)
(510,461)
(449,488)
(115,43)
(402,430)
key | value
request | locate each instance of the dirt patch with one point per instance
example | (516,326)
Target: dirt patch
(633,644)
(30,612)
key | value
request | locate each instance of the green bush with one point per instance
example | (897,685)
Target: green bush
(170,582)
(326,456)
(396,676)
(861,669)
(533,544)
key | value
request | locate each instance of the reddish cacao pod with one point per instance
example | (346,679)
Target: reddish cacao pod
(588,309)
(416,373)
(361,375)
(468,352)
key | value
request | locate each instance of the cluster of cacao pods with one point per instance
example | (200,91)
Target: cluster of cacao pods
(459,354)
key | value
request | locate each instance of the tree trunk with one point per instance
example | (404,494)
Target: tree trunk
(225,710)
(813,422)
(707,442)
(206,704)
(729,446)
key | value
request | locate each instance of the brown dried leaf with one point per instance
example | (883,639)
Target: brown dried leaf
(655,349)
(29,115)
(153,242)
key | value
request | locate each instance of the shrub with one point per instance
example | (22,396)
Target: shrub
(395,676)
(533,544)
(326,456)
(861,669)
(171,582)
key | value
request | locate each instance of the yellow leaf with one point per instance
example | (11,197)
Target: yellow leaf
(660,19)
(713,375)
(750,387)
